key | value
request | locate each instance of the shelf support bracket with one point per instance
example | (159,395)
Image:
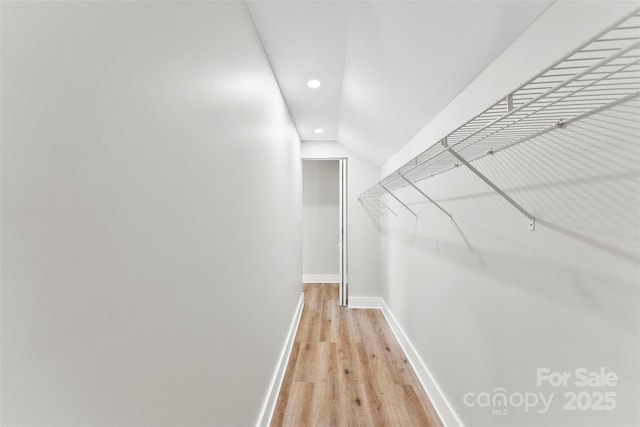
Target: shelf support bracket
(415,187)
(383,205)
(399,201)
(509,102)
(532,219)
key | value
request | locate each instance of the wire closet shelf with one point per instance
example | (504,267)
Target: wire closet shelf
(598,75)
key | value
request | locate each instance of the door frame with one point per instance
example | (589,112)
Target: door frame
(343,229)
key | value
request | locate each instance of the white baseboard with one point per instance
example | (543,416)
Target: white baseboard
(365,302)
(320,278)
(269,405)
(440,402)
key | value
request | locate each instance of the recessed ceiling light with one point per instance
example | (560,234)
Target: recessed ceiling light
(318,130)
(314,84)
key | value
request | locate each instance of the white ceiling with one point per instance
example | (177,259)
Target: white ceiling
(386,67)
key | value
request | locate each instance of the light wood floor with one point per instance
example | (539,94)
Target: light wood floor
(347,369)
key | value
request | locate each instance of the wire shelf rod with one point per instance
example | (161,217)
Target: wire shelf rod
(550,128)
(560,99)
(527,104)
(618,104)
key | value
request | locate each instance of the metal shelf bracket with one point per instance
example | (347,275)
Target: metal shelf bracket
(532,219)
(399,201)
(384,205)
(427,197)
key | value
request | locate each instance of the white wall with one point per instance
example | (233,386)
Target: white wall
(363,239)
(151,193)
(485,301)
(320,218)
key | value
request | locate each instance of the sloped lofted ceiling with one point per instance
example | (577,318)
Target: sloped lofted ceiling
(386,67)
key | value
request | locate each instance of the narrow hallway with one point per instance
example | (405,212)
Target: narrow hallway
(173,172)
(347,369)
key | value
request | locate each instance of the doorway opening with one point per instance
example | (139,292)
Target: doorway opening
(324,223)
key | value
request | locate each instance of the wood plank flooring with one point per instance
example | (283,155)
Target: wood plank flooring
(347,369)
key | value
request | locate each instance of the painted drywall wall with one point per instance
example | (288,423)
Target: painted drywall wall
(363,236)
(151,202)
(485,301)
(320,218)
